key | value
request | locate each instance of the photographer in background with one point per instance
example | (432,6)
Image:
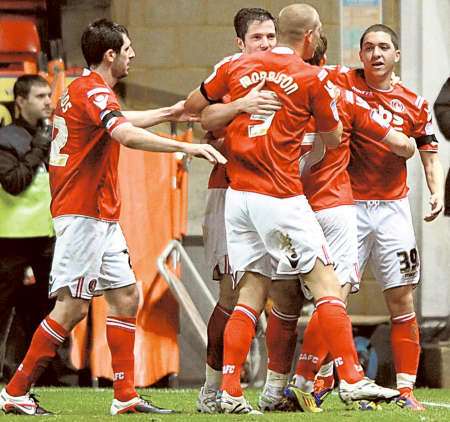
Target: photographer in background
(26,231)
(442,112)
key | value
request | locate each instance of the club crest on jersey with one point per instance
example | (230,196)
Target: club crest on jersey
(397,105)
(100,100)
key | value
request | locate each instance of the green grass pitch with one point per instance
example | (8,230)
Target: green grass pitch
(86,404)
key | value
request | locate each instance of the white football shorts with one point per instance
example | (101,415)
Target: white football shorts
(214,234)
(90,256)
(386,240)
(272,236)
(339,227)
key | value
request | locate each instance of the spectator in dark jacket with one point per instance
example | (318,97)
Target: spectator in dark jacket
(442,112)
(26,231)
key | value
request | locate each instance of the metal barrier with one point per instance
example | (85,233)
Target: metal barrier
(175,251)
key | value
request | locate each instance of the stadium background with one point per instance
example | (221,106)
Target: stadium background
(178,41)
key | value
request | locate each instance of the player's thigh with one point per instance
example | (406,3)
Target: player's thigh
(395,257)
(228,294)
(365,233)
(79,247)
(339,227)
(115,271)
(291,234)
(214,234)
(246,249)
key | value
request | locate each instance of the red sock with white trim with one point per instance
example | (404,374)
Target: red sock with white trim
(120,335)
(337,333)
(314,350)
(406,350)
(239,332)
(281,339)
(46,340)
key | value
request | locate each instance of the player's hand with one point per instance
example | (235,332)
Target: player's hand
(205,151)
(259,101)
(179,114)
(437,205)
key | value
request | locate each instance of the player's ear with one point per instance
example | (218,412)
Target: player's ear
(240,44)
(397,56)
(109,55)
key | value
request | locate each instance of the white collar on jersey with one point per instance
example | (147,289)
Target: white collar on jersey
(282,50)
(86,71)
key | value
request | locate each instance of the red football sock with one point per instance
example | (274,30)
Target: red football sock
(406,350)
(281,339)
(216,328)
(120,335)
(314,350)
(46,340)
(337,333)
(239,332)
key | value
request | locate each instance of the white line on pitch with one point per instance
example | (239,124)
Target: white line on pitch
(429,403)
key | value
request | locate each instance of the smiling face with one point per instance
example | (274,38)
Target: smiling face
(378,55)
(121,62)
(260,36)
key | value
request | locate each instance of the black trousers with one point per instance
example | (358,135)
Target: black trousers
(31,303)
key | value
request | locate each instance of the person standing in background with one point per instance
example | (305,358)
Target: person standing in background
(26,231)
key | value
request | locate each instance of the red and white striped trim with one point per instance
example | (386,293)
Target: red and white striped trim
(404,318)
(284,317)
(49,330)
(246,312)
(113,322)
(331,302)
(79,289)
(419,101)
(100,90)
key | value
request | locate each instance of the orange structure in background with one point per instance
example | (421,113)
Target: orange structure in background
(154,211)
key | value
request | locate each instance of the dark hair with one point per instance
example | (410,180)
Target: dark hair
(379,27)
(246,16)
(22,86)
(100,36)
(319,52)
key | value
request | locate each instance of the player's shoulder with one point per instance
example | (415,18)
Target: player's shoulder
(407,96)
(89,84)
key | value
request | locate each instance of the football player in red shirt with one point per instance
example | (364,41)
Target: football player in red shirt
(378,177)
(329,192)
(255,31)
(91,255)
(271,231)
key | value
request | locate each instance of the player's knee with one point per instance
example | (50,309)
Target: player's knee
(129,301)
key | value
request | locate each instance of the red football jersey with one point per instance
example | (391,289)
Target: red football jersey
(324,172)
(84,157)
(263,151)
(377,173)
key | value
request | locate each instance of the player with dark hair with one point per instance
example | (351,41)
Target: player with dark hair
(91,255)
(255,31)
(271,230)
(378,177)
(328,189)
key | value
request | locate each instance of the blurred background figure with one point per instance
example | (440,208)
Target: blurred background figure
(26,231)
(442,112)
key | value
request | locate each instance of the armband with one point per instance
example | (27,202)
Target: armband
(426,140)
(108,116)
